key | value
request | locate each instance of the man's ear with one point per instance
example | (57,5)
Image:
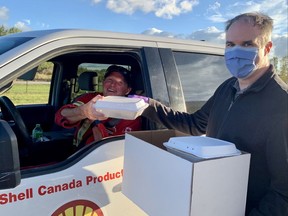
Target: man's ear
(128,91)
(268,47)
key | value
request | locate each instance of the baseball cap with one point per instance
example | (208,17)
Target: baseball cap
(123,71)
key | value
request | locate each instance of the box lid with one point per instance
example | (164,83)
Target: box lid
(202,146)
(120,107)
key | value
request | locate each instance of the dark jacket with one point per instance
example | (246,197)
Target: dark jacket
(256,122)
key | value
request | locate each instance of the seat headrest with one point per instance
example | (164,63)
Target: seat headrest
(88,81)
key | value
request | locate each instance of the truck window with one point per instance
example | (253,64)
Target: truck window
(33,87)
(200,75)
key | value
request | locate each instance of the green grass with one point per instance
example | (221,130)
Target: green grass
(28,93)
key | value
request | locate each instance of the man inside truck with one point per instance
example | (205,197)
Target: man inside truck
(81,114)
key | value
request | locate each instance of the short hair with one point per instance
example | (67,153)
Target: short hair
(262,21)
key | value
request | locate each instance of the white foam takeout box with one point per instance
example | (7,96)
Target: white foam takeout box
(196,148)
(121,107)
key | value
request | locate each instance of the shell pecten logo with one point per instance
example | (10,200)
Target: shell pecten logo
(79,208)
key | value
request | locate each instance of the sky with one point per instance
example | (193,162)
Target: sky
(186,19)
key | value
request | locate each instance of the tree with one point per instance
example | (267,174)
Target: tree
(274,61)
(45,68)
(14,30)
(283,73)
(281,67)
(5,31)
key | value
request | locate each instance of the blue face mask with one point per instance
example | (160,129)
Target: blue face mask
(240,61)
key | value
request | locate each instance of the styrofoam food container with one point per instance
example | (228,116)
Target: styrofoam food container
(200,147)
(121,107)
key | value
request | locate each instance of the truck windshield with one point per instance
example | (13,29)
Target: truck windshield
(8,43)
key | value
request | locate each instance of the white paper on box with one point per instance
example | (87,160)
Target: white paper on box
(121,107)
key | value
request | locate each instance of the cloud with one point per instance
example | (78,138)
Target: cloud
(276,9)
(95,1)
(280,44)
(168,9)
(165,9)
(214,7)
(157,32)
(130,6)
(214,35)
(213,13)
(211,34)
(24,26)
(4,13)
(44,25)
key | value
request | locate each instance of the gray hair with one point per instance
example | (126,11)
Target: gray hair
(262,21)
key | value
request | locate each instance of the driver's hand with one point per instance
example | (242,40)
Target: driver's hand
(89,110)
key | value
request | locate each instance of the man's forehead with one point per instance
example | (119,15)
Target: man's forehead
(116,74)
(242,31)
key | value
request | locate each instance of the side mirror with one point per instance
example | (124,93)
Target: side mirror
(30,75)
(5,88)
(10,175)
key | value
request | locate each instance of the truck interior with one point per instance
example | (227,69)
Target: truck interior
(74,73)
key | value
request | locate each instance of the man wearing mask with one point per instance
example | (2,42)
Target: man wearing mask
(250,110)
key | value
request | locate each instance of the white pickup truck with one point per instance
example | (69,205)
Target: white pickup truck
(49,178)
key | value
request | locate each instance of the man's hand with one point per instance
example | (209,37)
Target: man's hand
(84,111)
(90,112)
(146,99)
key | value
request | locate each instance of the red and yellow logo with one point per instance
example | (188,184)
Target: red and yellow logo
(79,208)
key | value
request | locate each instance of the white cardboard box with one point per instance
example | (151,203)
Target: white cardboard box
(162,183)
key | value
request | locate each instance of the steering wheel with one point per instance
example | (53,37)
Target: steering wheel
(11,114)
